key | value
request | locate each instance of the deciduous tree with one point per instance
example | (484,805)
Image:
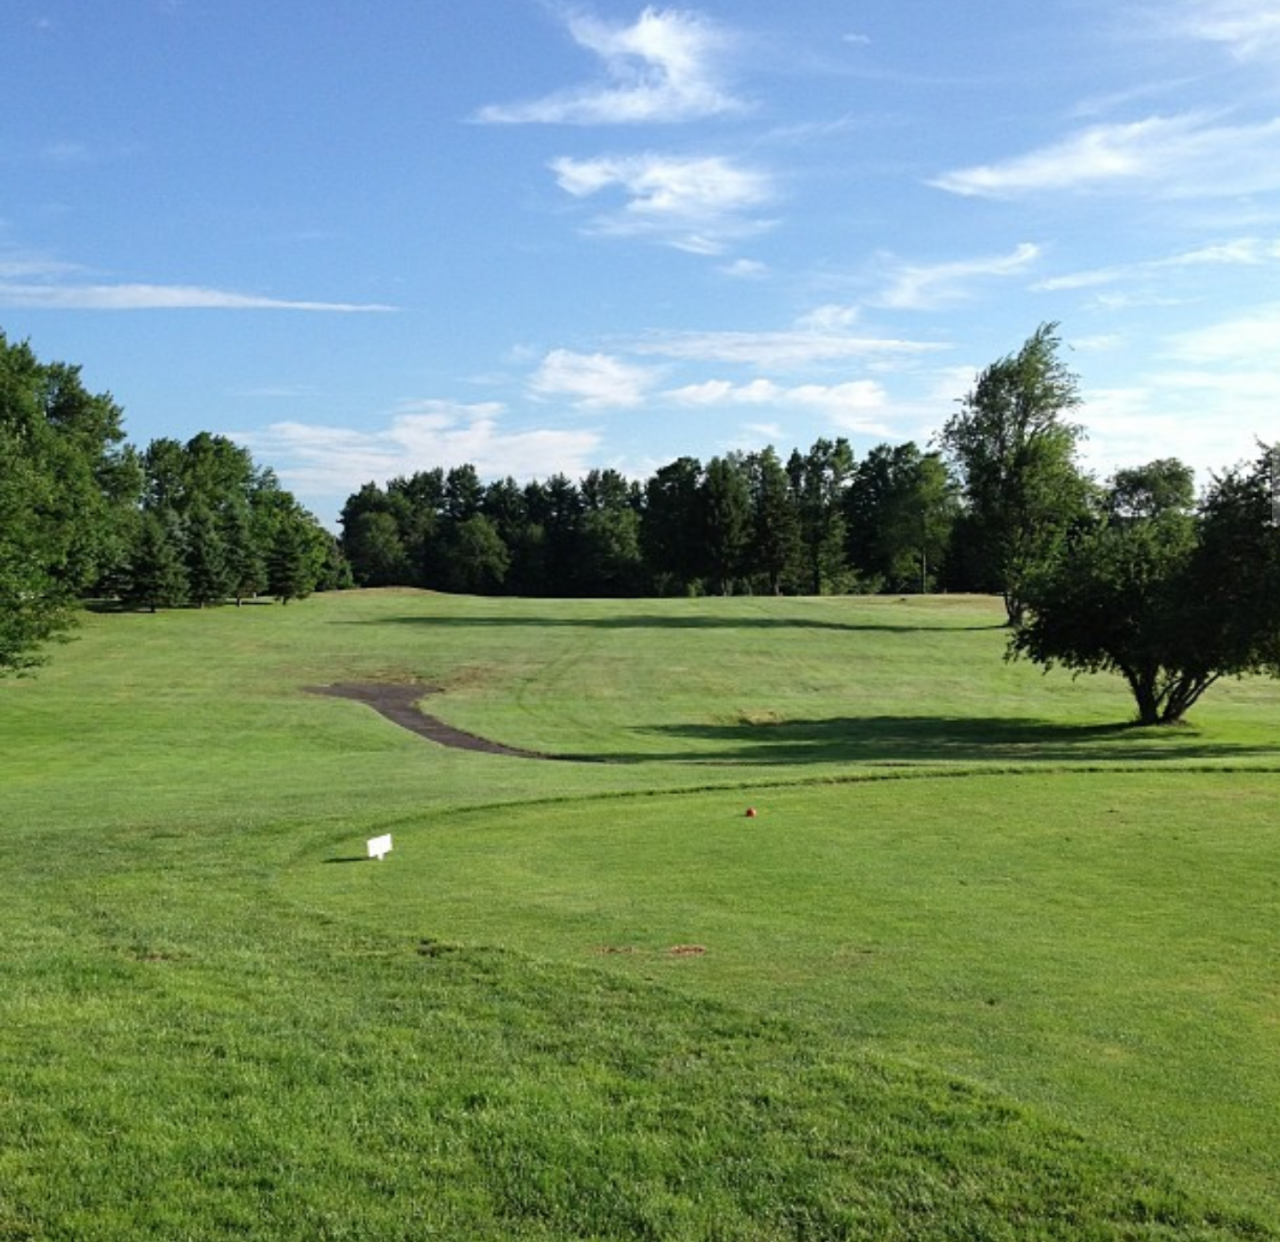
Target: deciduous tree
(478,559)
(1170,600)
(1015,451)
(902,507)
(67,490)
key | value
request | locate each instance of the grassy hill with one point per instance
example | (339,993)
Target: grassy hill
(986,963)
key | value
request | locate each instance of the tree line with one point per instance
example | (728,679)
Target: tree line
(816,523)
(1135,575)
(83,514)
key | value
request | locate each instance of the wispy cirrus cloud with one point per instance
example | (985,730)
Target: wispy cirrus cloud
(1236,252)
(25,266)
(1248,28)
(826,335)
(121,297)
(694,203)
(666,67)
(1186,156)
(927,286)
(591,381)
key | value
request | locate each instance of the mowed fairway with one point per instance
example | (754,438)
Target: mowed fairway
(984,964)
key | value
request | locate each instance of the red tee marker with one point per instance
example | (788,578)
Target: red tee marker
(751,812)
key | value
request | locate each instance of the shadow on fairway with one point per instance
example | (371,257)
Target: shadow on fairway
(643,621)
(938,739)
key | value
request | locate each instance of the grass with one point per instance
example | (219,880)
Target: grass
(984,965)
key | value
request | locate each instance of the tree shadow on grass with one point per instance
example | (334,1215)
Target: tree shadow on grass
(904,740)
(666,621)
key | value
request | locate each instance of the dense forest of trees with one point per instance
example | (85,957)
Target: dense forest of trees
(1137,576)
(818,523)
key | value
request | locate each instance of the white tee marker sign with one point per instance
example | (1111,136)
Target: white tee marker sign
(379,847)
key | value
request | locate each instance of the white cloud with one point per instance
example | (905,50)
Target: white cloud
(725,392)
(746,269)
(159,297)
(829,318)
(1134,301)
(1237,252)
(810,343)
(333,462)
(1251,340)
(1244,251)
(1249,28)
(665,67)
(1086,280)
(590,381)
(949,384)
(1132,425)
(853,400)
(697,204)
(1099,343)
(850,402)
(1207,395)
(17,267)
(766,433)
(926,286)
(1179,157)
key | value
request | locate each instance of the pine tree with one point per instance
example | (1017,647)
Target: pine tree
(156,576)
(209,576)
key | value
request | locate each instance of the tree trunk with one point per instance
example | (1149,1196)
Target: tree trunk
(1142,684)
(1183,695)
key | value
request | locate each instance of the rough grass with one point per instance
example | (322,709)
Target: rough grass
(1024,988)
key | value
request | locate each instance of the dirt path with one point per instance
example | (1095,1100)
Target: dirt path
(399,704)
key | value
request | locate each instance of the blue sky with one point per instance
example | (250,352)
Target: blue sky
(367,239)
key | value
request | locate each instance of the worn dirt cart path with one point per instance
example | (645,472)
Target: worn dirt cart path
(398,702)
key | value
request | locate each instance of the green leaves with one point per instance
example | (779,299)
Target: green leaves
(1170,601)
(64,491)
(1017,456)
